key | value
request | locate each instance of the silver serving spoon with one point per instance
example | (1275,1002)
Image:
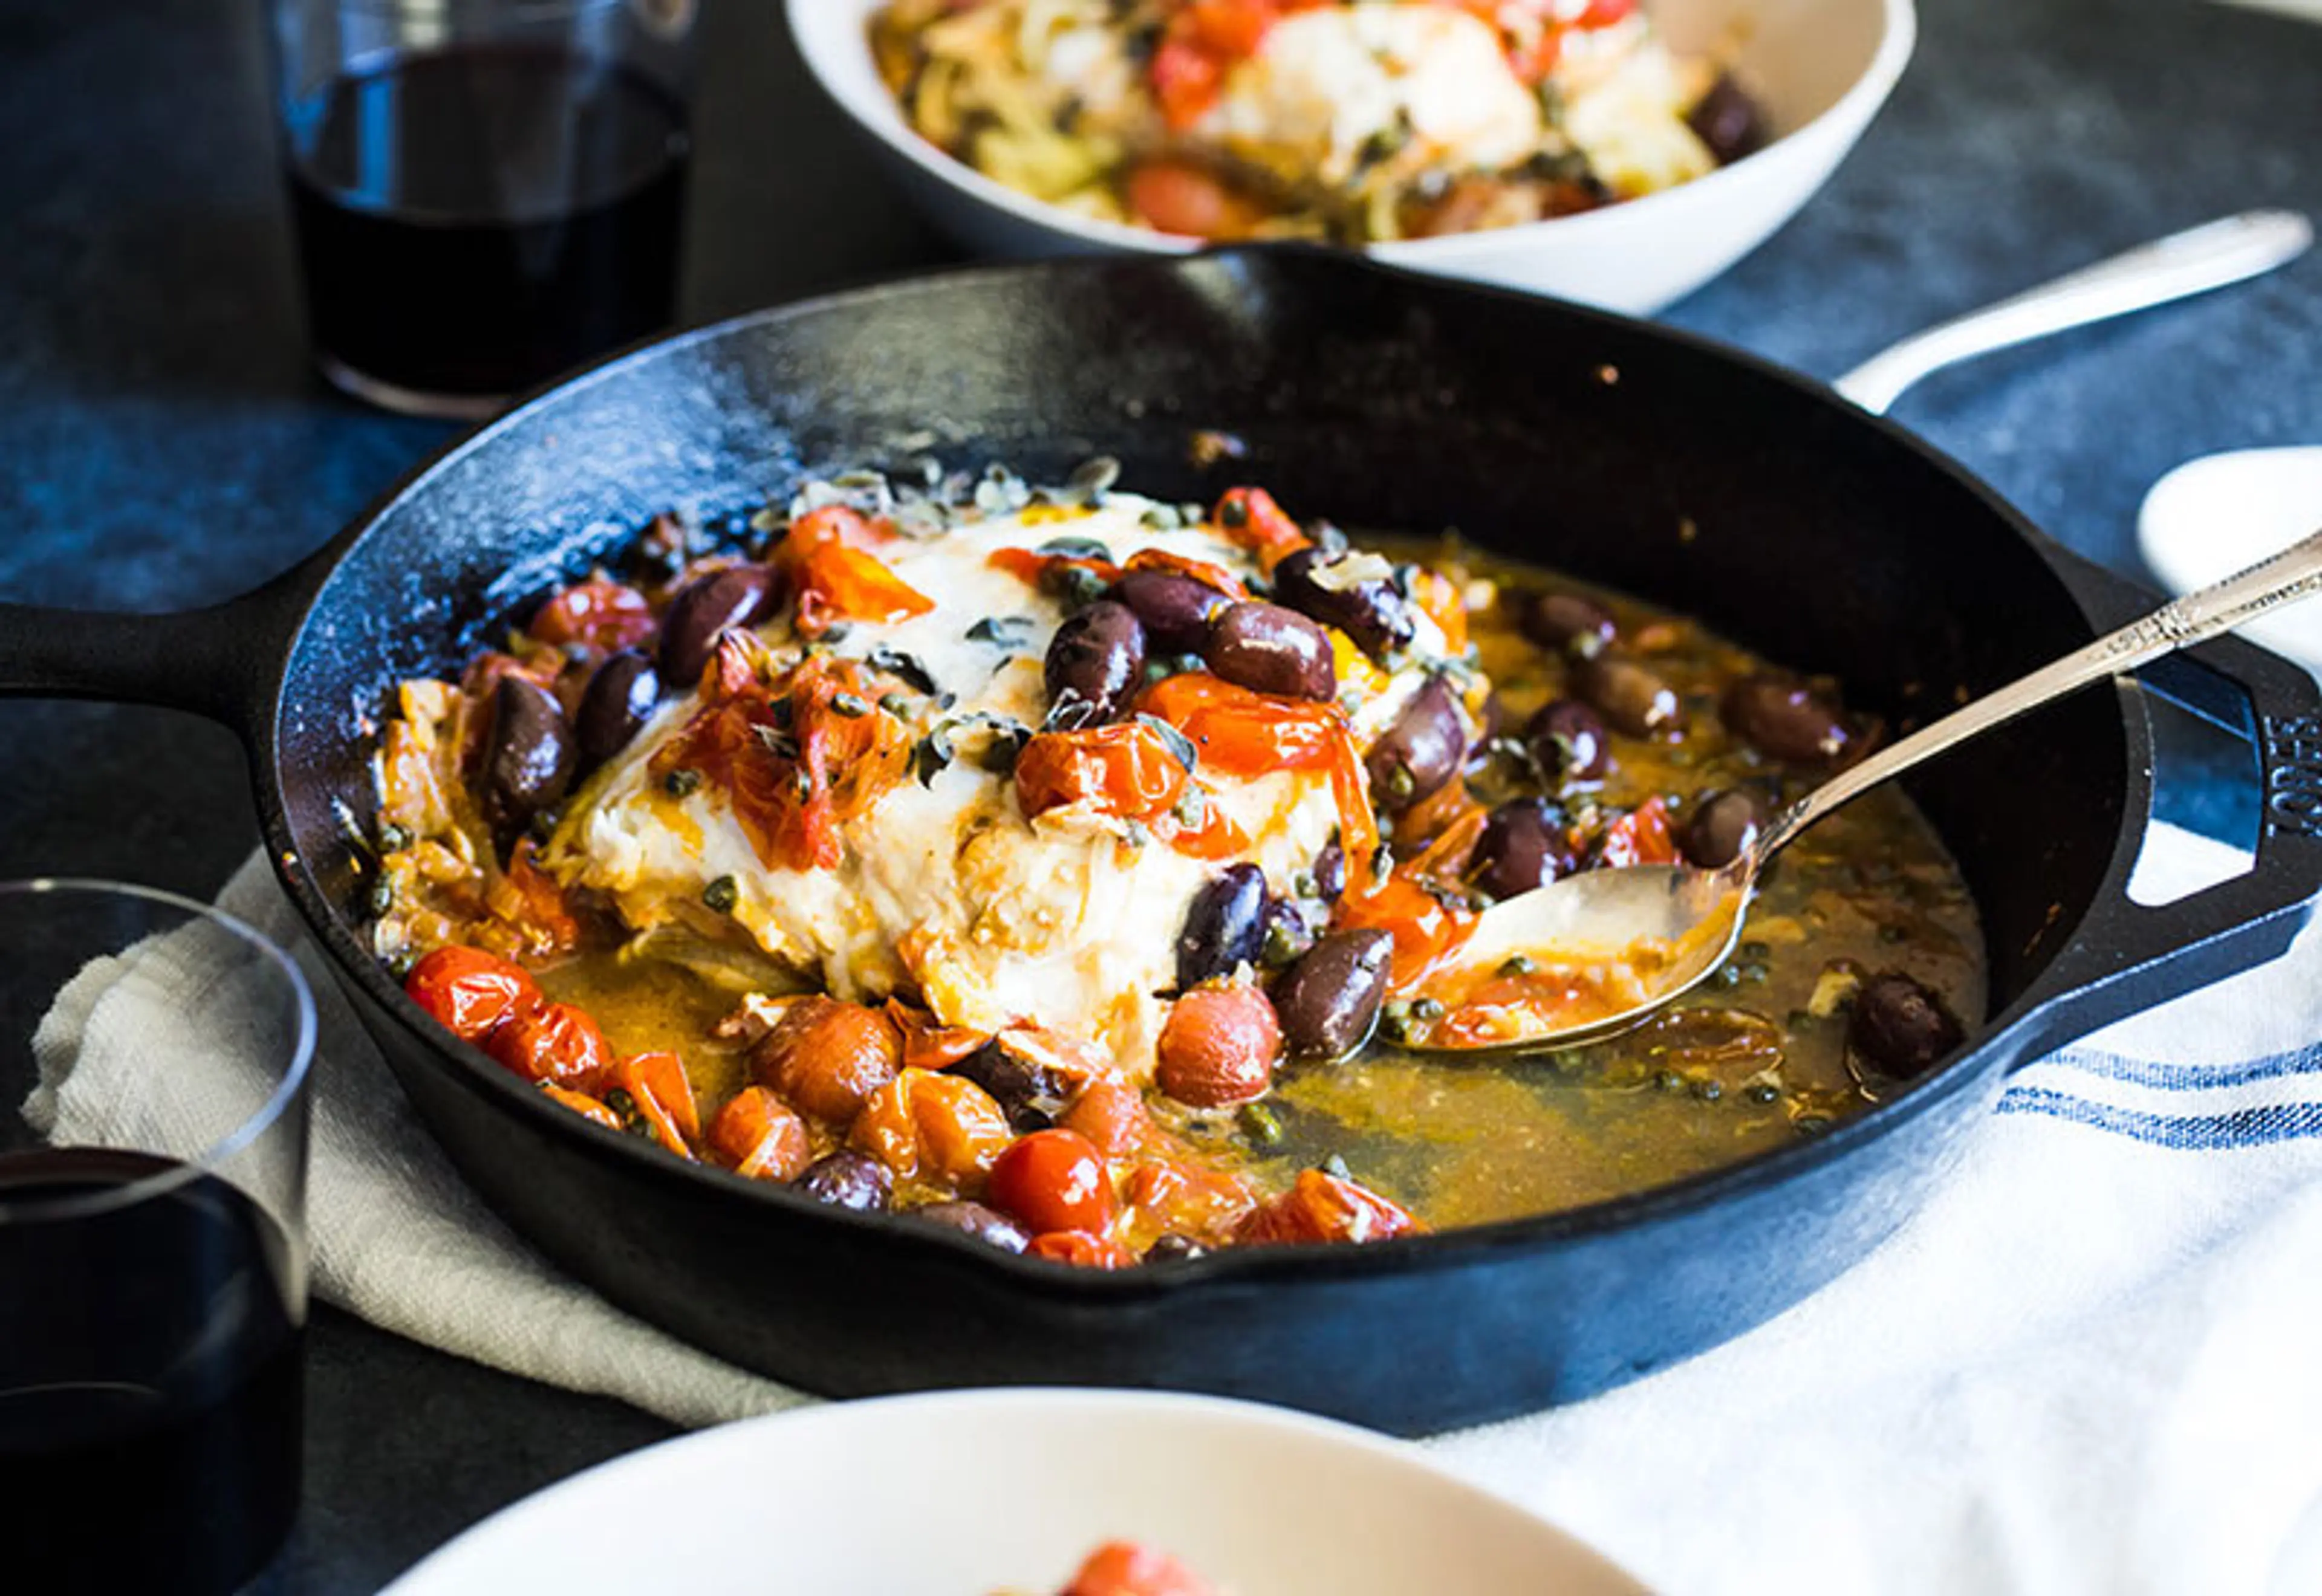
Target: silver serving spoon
(1690,918)
(1686,919)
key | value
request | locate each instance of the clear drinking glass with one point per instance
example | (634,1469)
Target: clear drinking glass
(485,192)
(153,1112)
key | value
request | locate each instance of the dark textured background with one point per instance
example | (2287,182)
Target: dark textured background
(163,443)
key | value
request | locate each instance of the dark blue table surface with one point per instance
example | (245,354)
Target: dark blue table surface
(163,443)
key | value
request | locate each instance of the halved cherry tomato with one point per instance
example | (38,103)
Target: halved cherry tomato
(1185,1197)
(1053,1180)
(1250,518)
(1426,930)
(1128,769)
(1182,198)
(1124,1568)
(758,1135)
(468,992)
(1031,567)
(1640,836)
(1080,1247)
(1327,1209)
(664,1097)
(932,1127)
(927,1045)
(834,577)
(827,1057)
(600,612)
(582,1104)
(1206,572)
(556,1042)
(1240,733)
(532,901)
(1111,1115)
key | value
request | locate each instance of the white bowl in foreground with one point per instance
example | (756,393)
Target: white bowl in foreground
(1821,68)
(2224,513)
(963,1493)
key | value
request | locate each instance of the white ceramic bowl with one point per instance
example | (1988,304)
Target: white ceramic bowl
(1821,68)
(963,1494)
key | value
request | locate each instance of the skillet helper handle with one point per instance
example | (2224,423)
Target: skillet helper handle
(217,663)
(2126,956)
(2213,255)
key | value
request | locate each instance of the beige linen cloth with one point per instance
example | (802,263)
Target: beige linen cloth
(2089,1366)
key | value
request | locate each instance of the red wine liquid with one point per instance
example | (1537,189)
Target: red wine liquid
(474,221)
(149,1384)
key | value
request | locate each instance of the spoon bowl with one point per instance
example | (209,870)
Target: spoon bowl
(1608,948)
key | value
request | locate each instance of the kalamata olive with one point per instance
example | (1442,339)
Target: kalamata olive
(528,753)
(1095,660)
(1268,649)
(1569,741)
(1330,873)
(1631,696)
(1175,610)
(1524,845)
(848,1180)
(1173,1247)
(1727,119)
(1785,720)
(1900,1027)
(1352,590)
(1225,926)
(618,701)
(1567,621)
(1028,1093)
(1422,750)
(1330,999)
(1217,1046)
(972,1218)
(1721,828)
(704,606)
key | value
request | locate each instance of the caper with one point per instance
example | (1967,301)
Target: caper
(722,895)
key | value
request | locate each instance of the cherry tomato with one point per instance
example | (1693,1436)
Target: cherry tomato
(556,1042)
(1187,1199)
(1124,1568)
(1081,1248)
(1126,769)
(662,1096)
(1181,198)
(927,1045)
(827,1057)
(1641,836)
(1217,1046)
(468,992)
(834,577)
(932,1127)
(1250,518)
(1323,1208)
(1111,1115)
(582,1104)
(604,614)
(1054,1180)
(758,1135)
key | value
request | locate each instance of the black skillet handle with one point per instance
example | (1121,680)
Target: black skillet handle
(223,662)
(2126,956)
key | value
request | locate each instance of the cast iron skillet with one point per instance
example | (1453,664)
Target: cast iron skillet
(1701,479)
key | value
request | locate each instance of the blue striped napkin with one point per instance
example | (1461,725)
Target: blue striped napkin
(2093,1363)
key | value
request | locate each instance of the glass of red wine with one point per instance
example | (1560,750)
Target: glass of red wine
(154,1059)
(485,192)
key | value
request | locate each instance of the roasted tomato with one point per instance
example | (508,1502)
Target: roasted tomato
(1054,1180)
(556,1042)
(1641,836)
(835,576)
(600,613)
(1112,1116)
(468,992)
(1191,201)
(939,1129)
(758,1135)
(657,1092)
(1128,769)
(1124,1568)
(1250,518)
(1329,1208)
(827,1057)
(1082,1248)
(1217,1046)
(582,1104)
